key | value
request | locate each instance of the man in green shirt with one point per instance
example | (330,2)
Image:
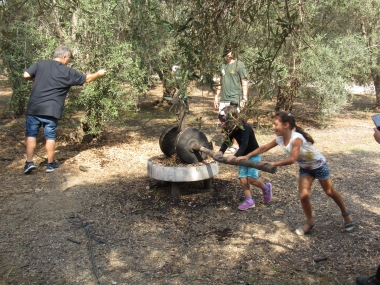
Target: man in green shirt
(233,87)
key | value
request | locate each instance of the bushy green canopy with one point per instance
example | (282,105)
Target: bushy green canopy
(324,44)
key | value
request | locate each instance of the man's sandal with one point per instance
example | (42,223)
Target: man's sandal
(301,232)
(349,225)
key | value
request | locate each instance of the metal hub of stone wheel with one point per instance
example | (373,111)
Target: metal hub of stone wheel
(184,142)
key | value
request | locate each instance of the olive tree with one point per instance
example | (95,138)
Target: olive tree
(20,45)
(94,32)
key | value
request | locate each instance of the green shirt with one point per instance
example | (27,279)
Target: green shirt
(232,74)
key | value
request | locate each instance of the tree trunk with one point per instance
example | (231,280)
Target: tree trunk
(169,85)
(376,83)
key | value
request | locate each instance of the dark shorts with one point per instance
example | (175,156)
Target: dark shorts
(34,123)
(321,173)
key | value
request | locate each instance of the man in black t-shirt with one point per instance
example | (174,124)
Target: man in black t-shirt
(52,80)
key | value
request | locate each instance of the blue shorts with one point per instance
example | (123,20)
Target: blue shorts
(245,171)
(321,173)
(34,123)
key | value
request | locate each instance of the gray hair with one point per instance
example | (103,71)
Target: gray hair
(61,51)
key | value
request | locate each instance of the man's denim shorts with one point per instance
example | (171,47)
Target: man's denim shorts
(245,171)
(34,123)
(321,173)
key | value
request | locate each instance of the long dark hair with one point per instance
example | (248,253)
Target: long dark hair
(288,118)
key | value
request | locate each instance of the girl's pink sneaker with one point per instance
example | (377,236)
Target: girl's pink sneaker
(246,205)
(267,193)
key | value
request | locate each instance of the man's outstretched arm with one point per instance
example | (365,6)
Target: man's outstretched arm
(27,76)
(96,75)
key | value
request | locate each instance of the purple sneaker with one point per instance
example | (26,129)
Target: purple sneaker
(246,205)
(267,193)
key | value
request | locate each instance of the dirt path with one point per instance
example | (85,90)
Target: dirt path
(144,236)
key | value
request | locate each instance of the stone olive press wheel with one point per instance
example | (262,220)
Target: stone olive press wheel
(192,146)
(184,145)
(167,140)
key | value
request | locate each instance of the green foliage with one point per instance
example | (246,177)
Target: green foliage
(100,100)
(354,57)
(201,30)
(180,100)
(257,30)
(325,44)
(322,69)
(103,98)
(20,48)
(152,41)
(352,29)
(93,30)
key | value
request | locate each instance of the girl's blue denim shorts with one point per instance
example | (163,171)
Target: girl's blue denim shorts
(321,173)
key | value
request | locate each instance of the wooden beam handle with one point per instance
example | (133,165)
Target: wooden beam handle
(266,167)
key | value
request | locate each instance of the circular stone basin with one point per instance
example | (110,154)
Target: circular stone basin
(182,173)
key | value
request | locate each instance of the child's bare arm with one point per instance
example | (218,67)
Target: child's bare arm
(376,135)
(296,146)
(259,150)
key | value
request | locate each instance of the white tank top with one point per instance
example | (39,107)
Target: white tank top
(308,157)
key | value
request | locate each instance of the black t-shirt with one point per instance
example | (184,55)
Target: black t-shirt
(52,81)
(246,139)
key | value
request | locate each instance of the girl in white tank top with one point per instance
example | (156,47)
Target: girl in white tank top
(299,146)
(308,157)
